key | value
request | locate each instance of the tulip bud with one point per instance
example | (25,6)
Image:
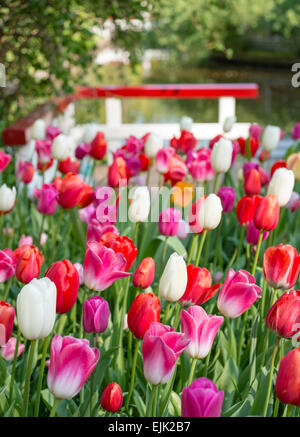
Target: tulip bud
(246,207)
(288,378)
(168,222)
(47,199)
(253,233)
(70,191)
(144,274)
(8,350)
(183,229)
(173,281)
(186,123)
(281,265)
(140,205)
(152,145)
(112,398)
(66,278)
(201,399)
(38,130)
(293,163)
(270,138)
(7,198)
(36,308)
(227,196)
(144,310)
(7,315)
(61,147)
(221,155)
(29,262)
(25,172)
(4,160)
(281,185)
(7,264)
(228,123)
(118,172)
(252,182)
(266,215)
(211,212)
(95,314)
(69,165)
(98,146)
(283,317)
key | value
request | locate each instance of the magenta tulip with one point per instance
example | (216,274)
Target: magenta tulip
(72,360)
(161,348)
(227,196)
(238,293)
(4,160)
(95,314)
(168,222)
(102,266)
(201,399)
(8,350)
(7,264)
(47,199)
(201,329)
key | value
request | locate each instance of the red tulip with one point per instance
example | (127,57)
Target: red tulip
(278,164)
(69,166)
(177,170)
(66,278)
(246,208)
(253,145)
(7,315)
(284,316)
(112,397)
(25,172)
(98,146)
(86,197)
(121,244)
(252,182)
(144,310)
(29,262)
(145,161)
(70,191)
(144,274)
(199,287)
(281,266)
(118,172)
(267,213)
(288,378)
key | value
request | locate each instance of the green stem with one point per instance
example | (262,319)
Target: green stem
(12,377)
(257,252)
(136,350)
(154,408)
(167,310)
(54,408)
(192,249)
(241,338)
(271,377)
(201,247)
(192,371)
(27,378)
(216,182)
(135,233)
(41,229)
(150,403)
(55,234)
(289,410)
(40,380)
(163,256)
(7,288)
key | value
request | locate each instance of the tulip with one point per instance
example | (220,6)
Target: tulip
(95,314)
(253,233)
(161,348)
(270,138)
(228,123)
(25,240)
(98,146)
(82,150)
(8,350)
(294,202)
(118,172)
(29,262)
(266,215)
(183,229)
(4,160)
(72,360)
(121,244)
(152,145)
(288,378)
(199,287)
(185,143)
(112,398)
(211,212)
(186,123)
(70,191)
(182,194)
(7,199)
(221,156)
(7,264)
(278,164)
(173,281)
(250,145)
(38,129)
(66,278)
(194,216)
(246,207)
(79,268)
(177,170)
(43,239)
(144,274)
(163,158)
(201,329)
(61,147)
(255,130)
(144,310)
(52,132)
(238,293)
(281,185)
(69,166)
(281,265)
(25,172)
(102,266)
(199,165)
(201,399)
(293,163)
(7,315)
(36,308)
(86,196)
(140,205)
(252,182)
(227,196)
(168,222)
(47,199)
(283,317)
(43,149)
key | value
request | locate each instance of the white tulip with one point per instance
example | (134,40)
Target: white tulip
(173,281)
(221,155)
(228,123)
(140,205)
(186,123)
(210,213)
(61,148)
(36,308)
(270,138)
(7,198)
(38,130)
(282,185)
(152,145)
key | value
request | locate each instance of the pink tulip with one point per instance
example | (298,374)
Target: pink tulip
(199,164)
(79,268)
(72,360)
(95,314)
(227,196)
(102,266)
(47,199)
(8,350)
(82,150)
(4,160)
(25,240)
(43,239)
(168,222)
(161,348)
(253,234)
(25,172)
(238,293)
(201,399)
(7,264)
(183,229)
(43,150)
(163,157)
(7,316)
(295,132)
(201,329)
(52,132)
(95,230)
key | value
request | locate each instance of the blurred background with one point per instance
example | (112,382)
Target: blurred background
(50,46)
